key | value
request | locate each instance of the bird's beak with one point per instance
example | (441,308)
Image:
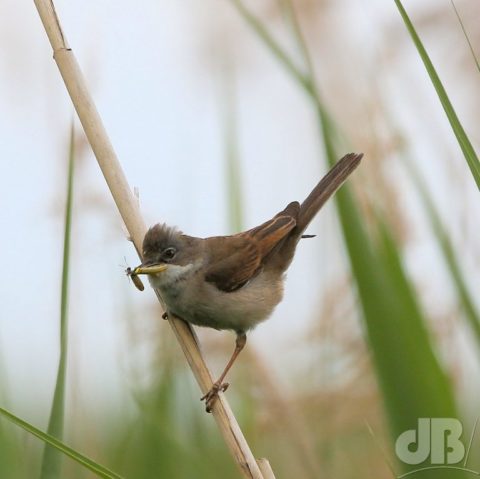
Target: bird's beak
(150,268)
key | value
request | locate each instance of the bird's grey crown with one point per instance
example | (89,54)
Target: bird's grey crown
(159,237)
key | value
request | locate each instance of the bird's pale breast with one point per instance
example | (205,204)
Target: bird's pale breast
(203,304)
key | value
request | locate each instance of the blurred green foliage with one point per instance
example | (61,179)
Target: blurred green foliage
(315,433)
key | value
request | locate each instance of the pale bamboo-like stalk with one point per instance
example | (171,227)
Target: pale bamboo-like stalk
(130,213)
(265,467)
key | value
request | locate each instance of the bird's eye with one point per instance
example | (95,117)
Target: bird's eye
(169,253)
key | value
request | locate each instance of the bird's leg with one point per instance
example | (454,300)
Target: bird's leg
(219,385)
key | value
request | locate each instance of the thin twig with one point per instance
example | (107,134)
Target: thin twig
(128,208)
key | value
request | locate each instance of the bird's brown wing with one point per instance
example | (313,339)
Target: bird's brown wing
(234,260)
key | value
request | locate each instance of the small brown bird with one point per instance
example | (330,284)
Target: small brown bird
(233,282)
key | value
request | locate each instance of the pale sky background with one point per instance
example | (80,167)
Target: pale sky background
(155,69)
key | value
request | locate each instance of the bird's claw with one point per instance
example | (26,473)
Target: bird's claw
(212,395)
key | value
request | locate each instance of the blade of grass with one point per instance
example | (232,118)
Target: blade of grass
(52,461)
(472,51)
(411,379)
(462,138)
(88,463)
(277,51)
(11,448)
(327,127)
(448,252)
(232,169)
(12,455)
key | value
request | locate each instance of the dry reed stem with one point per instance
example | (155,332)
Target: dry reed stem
(265,468)
(130,213)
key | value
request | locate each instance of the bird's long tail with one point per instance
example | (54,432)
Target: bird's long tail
(305,212)
(325,189)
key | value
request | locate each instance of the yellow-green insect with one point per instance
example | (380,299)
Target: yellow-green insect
(135,279)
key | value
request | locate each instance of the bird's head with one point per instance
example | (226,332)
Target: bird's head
(167,255)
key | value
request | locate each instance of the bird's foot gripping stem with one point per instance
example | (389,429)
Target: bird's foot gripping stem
(212,395)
